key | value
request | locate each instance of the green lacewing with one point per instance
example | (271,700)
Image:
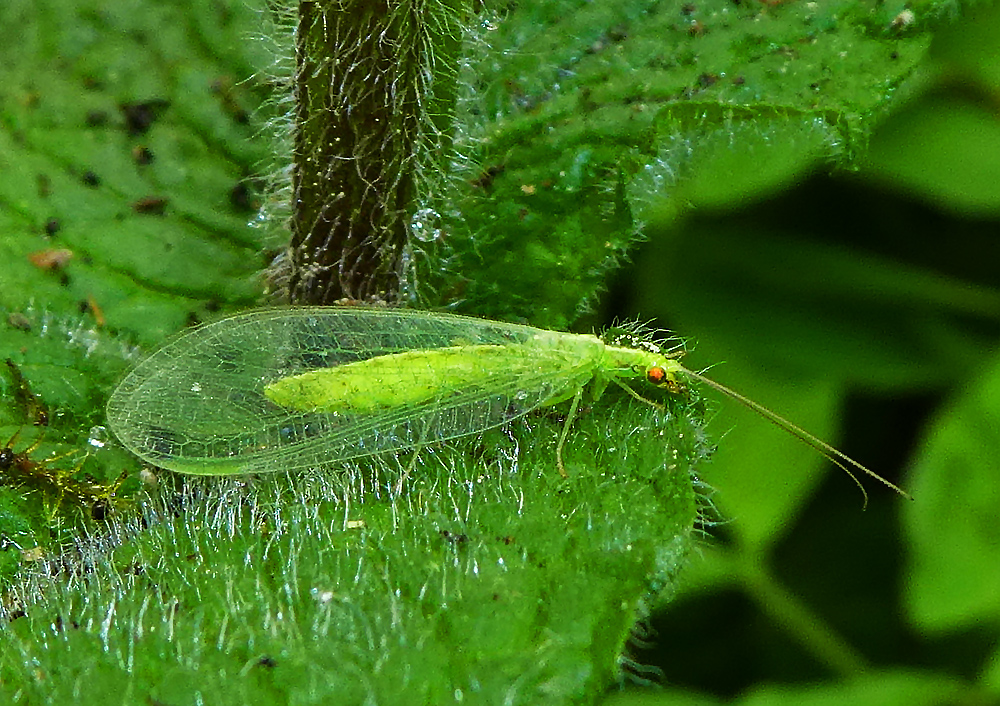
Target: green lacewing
(294,388)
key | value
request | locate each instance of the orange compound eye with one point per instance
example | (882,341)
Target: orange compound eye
(656,375)
(661,378)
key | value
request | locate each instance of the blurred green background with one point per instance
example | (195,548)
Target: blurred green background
(807,193)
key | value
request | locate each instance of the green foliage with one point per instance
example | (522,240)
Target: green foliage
(105,108)
(479,581)
(955,564)
(60,472)
(774,156)
(596,117)
(844,288)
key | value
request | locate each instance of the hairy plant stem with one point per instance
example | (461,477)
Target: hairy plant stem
(375,89)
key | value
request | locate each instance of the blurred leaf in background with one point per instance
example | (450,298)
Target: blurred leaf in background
(866,293)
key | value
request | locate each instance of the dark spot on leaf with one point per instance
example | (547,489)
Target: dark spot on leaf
(142,155)
(96,118)
(243,196)
(140,115)
(150,206)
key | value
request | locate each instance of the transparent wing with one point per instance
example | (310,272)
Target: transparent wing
(197,404)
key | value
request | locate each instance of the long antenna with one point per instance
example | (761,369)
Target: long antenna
(840,459)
